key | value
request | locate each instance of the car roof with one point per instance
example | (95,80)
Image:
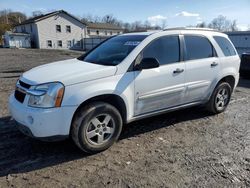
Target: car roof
(181,30)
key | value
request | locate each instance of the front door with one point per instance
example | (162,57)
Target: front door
(162,87)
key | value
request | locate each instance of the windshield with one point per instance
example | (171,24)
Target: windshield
(114,50)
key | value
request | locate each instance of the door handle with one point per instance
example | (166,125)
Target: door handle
(178,70)
(214,64)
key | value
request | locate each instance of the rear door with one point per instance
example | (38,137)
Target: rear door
(202,67)
(162,87)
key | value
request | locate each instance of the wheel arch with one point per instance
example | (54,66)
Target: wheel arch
(229,79)
(112,99)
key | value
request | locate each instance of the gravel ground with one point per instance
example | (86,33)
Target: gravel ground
(188,148)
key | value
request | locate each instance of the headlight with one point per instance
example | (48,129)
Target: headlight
(47,95)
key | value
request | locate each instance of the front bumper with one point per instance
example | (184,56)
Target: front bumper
(41,123)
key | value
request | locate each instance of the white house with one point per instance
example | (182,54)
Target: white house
(61,30)
(58,30)
(16,40)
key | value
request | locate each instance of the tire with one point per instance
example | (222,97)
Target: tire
(96,127)
(220,98)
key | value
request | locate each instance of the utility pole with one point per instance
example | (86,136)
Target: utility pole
(6,16)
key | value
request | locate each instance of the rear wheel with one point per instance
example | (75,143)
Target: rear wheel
(96,127)
(220,98)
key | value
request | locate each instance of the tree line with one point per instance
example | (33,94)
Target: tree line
(8,19)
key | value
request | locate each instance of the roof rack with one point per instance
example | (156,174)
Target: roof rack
(190,28)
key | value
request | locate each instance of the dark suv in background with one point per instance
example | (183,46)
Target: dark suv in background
(245,65)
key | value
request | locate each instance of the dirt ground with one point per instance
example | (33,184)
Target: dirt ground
(188,148)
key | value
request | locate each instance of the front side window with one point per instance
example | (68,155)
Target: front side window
(198,47)
(68,29)
(114,50)
(58,28)
(59,43)
(165,49)
(225,46)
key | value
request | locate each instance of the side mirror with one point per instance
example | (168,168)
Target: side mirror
(148,63)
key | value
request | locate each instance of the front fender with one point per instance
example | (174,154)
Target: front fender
(120,85)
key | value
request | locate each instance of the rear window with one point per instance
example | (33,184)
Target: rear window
(198,47)
(225,46)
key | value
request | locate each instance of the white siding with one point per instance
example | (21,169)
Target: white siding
(47,31)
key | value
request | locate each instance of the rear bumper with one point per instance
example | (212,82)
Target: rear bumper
(41,123)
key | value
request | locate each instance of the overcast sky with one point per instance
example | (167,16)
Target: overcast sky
(175,12)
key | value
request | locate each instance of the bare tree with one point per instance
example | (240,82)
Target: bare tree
(163,24)
(37,13)
(109,18)
(221,23)
(201,25)
(234,26)
(91,18)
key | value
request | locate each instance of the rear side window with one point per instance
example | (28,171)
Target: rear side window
(225,46)
(165,49)
(198,47)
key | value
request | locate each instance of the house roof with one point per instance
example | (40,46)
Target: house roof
(44,16)
(103,26)
(89,24)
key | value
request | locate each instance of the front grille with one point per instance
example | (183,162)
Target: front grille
(20,96)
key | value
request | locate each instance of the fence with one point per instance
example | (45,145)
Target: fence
(89,43)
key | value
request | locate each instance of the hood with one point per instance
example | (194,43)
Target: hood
(68,72)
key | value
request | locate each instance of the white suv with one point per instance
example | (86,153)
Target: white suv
(125,78)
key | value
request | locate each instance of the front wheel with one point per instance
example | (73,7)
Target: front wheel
(220,98)
(96,127)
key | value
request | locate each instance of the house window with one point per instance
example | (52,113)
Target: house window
(106,33)
(111,33)
(68,29)
(49,43)
(31,28)
(69,44)
(58,28)
(59,43)
(88,32)
(97,32)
